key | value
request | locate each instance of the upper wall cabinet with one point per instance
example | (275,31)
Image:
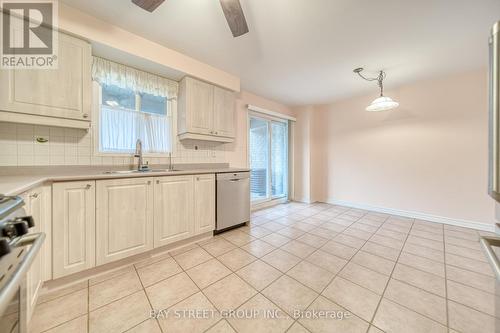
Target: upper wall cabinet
(57,97)
(205,112)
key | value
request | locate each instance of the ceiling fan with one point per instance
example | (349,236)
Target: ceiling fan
(231,8)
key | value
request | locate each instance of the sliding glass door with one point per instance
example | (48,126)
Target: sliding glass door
(268,150)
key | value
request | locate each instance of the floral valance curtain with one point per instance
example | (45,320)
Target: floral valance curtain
(111,73)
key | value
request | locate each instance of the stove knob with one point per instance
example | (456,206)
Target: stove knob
(4,247)
(28,219)
(21,228)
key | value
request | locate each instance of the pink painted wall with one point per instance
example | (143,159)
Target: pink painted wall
(428,156)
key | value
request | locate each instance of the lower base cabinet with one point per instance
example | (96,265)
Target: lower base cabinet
(73,212)
(124,218)
(97,222)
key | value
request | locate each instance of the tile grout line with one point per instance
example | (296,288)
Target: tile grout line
(446,285)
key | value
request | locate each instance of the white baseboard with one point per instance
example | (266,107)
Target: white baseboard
(417,215)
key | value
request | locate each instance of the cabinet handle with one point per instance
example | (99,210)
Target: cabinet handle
(197,178)
(157,182)
(149,182)
(85,115)
(34,195)
(88,186)
(216,133)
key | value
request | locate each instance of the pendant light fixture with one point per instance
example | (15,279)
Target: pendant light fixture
(381,103)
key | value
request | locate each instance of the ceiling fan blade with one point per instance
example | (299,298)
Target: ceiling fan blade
(149,5)
(235,17)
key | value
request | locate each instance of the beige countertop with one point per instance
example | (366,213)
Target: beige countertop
(16,180)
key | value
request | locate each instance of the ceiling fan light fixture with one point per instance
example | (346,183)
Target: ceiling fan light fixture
(382,103)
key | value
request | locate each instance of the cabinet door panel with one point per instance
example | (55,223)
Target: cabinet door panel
(124,218)
(224,105)
(199,107)
(63,92)
(73,227)
(173,209)
(204,203)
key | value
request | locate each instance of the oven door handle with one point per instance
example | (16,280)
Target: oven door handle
(11,287)
(488,243)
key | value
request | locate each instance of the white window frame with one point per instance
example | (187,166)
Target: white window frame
(96,116)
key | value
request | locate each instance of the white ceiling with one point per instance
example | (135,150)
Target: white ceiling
(303,51)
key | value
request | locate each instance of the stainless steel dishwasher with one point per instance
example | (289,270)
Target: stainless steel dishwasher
(233,200)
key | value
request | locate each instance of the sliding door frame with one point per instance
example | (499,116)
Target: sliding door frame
(270,119)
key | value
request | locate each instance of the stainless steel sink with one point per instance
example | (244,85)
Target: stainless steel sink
(141,171)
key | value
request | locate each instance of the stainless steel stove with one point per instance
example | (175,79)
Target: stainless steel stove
(17,251)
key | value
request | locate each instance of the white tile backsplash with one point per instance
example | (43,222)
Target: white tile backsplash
(67,146)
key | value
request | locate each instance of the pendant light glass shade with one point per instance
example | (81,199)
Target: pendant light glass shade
(382,104)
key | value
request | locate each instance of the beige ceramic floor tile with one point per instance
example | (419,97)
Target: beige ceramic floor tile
(474,298)
(298,249)
(148,326)
(381,250)
(418,300)
(344,321)
(258,248)
(281,260)
(467,320)
(219,247)
(374,329)
(259,274)
(327,261)
(183,249)
(423,251)
(297,328)
(221,327)
(120,315)
(427,235)
(237,237)
(391,232)
(258,231)
(335,227)
(353,297)
(113,289)
(276,239)
(313,240)
(358,233)
(311,275)
(365,277)
(463,234)
(426,281)
(158,271)
(423,264)
(273,226)
(349,241)
(261,323)
(229,293)
(207,273)
(476,280)
(291,232)
(195,314)
(469,264)
(192,257)
(387,241)
(170,291)
(436,245)
(236,259)
(466,252)
(340,250)
(323,233)
(289,294)
(78,325)
(474,245)
(60,310)
(391,317)
(373,262)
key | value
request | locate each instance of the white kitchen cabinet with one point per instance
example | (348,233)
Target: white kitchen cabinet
(36,202)
(124,218)
(58,97)
(173,219)
(224,105)
(204,203)
(74,227)
(205,112)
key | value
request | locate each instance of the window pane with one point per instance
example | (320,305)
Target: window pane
(117,97)
(153,104)
(259,158)
(279,159)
